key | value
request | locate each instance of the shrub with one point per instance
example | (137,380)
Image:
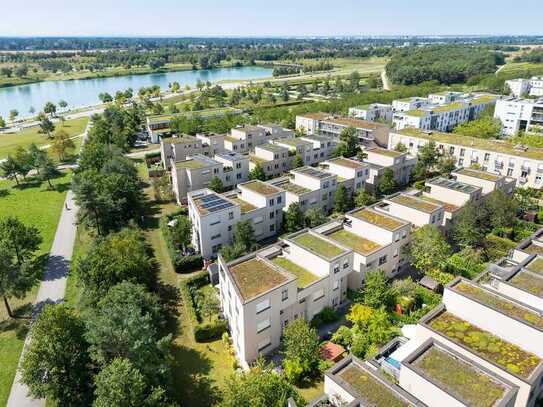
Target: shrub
(326,316)
(293,370)
(440,276)
(343,336)
(183,264)
(209,331)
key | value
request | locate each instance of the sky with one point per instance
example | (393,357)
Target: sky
(269,18)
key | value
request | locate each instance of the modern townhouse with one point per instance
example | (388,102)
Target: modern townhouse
(213,215)
(300,146)
(413,209)
(442,98)
(245,138)
(410,103)
(520,115)
(374,112)
(379,159)
(212,143)
(274,159)
(325,124)
(444,117)
(352,173)
(487,181)
(197,171)
(178,149)
(524,164)
(323,148)
(376,240)
(261,292)
(275,131)
(524,87)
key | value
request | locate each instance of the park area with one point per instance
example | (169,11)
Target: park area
(33,203)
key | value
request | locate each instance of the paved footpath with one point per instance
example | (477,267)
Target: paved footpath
(52,288)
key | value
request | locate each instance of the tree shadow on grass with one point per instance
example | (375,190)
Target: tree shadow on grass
(4,192)
(28,183)
(21,321)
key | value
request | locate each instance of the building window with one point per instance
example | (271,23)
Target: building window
(318,295)
(278,199)
(264,344)
(271,202)
(462,152)
(229,228)
(346,265)
(272,214)
(284,294)
(215,236)
(272,228)
(263,325)
(509,172)
(238,176)
(336,285)
(230,215)
(382,260)
(262,306)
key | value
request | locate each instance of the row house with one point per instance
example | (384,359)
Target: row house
(524,164)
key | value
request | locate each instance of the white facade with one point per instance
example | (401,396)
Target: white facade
(274,159)
(379,159)
(524,164)
(518,115)
(373,112)
(524,87)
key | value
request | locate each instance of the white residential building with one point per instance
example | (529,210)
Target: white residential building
(197,171)
(518,115)
(524,164)
(274,159)
(260,293)
(524,87)
(325,124)
(444,117)
(213,215)
(413,209)
(243,139)
(178,149)
(374,112)
(352,173)
(411,103)
(379,159)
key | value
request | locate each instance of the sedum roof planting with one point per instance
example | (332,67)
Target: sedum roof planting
(470,172)
(304,277)
(254,277)
(536,265)
(508,356)
(459,378)
(318,245)
(529,282)
(357,243)
(260,187)
(415,203)
(378,219)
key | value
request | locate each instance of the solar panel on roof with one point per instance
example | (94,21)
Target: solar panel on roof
(209,198)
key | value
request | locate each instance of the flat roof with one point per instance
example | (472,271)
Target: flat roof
(347,162)
(357,243)
(494,300)
(370,389)
(293,142)
(385,152)
(508,356)
(304,277)
(193,164)
(231,156)
(272,147)
(260,187)
(535,265)
(501,147)
(454,185)
(533,248)
(414,203)
(254,277)
(459,377)
(470,172)
(356,123)
(528,281)
(447,206)
(312,172)
(180,140)
(449,107)
(318,245)
(210,203)
(231,139)
(291,187)
(378,219)
(417,113)
(244,206)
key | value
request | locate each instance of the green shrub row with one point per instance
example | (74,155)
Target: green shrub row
(202,332)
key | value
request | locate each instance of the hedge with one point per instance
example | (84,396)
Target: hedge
(188,263)
(202,332)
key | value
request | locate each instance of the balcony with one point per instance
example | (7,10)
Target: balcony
(498,165)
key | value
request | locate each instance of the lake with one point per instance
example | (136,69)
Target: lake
(84,92)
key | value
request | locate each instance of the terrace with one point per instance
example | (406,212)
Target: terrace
(459,378)
(304,277)
(509,357)
(475,143)
(415,203)
(254,277)
(260,187)
(357,243)
(499,303)
(318,245)
(469,172)
(370,389)
(378,219)
(529,282)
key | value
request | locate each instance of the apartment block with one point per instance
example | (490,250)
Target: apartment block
(245,138)
(379,159)
(444,116)
(213,215)
(376,240)
(523,87)
(178,149)
(322,148)
(275,159)
(331,126)
(197,171)
(261,292)
(374,112)
(352,173)
(524,164)
(410,103)
(520,115)
(413,209)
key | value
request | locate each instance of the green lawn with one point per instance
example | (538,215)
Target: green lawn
(10,142)
(35,205)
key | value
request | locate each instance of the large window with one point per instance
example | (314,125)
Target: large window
(262,306)
(262,325)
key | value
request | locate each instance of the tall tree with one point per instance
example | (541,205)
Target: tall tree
(46,126)
(342,199)
(298,161)
(387,184)
(216,185)
(428,249)
(377,292)
(47,170)
(314,217)
(257,173)
(294,218)
(50,108)
(10,168)
(56,363)
(244,235)
(62,144)
(348,147)
(301,344)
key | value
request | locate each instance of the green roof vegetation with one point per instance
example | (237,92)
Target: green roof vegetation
(292,142)
(357,243)
(254,277)
(473,142)
(370,389)
(346,162)
(415,203)
(257,160)
(191,164)
(385,152)
(484,99)
(378,219)
(231,139)
(318,245)
(179,140)
(536,265)
(531,283)
(473,386)
(470,172)
(495,301)
(304,276)
(202,113)
(260,187)
(533,249)
(244,206)
(293,188)
(416,113)
(506,355)
(448,107)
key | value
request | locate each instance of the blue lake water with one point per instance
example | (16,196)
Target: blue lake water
(85,92)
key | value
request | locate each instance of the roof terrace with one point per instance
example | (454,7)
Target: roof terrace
(385,152)
(506,355)
(254,277)
(304,277)
(312,172)
(354,242)
(378,219)
(244,206)
(415,203)
(318,245)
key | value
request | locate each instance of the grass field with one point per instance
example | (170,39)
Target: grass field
(11,141)
(34,205)
(521,68)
